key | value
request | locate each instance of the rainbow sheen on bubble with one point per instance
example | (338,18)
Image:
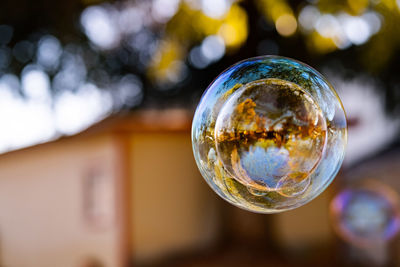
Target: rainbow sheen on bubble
(366,215)
(269,134)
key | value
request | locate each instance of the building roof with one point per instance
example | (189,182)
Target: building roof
(151,120)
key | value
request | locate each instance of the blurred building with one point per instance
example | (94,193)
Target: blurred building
(125,190)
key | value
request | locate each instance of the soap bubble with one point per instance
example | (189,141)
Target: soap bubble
(269,134)
(366,215)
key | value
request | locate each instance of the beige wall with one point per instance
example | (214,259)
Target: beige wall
(174,210)
(172,207)
(42,221)
(42,205)
(305,226)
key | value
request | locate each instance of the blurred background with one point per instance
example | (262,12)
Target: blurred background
(96,102)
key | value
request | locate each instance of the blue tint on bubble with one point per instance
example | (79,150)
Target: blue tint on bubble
(265,164)
(277,132)
(367,215)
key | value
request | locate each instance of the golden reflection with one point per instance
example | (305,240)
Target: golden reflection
(281,144)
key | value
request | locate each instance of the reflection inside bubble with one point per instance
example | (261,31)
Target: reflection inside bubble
(270,135)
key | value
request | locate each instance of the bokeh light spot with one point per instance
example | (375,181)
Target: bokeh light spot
(215,8)
(357,30)
(213,47)
(35,84)
(49,52)
(100,27)
(286,25)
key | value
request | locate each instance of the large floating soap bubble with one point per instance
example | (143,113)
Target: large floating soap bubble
(366,215)
(269,134)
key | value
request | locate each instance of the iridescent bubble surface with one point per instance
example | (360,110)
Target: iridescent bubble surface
(269,134)
(366,215)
